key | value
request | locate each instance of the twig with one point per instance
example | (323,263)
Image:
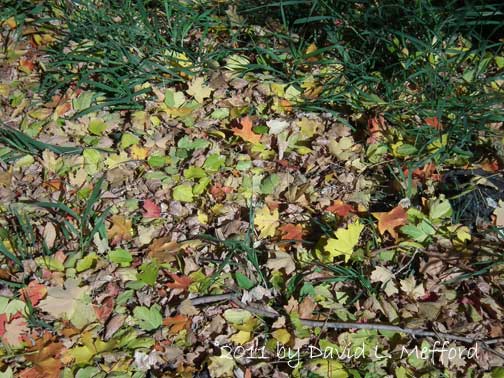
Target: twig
(386,327)
(213,298)
(415,332)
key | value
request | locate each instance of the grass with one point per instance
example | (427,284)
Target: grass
(405,60)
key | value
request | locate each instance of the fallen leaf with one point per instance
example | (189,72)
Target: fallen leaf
(163,250)
(198,90)
(34,291)
(70,303)
(176,323)
(179,282)
(13,331)
(389,221)
(340,208)
(266,221)
(246,132)
(151,209)
(434,123)
(410,287)
(345,241)
(282,260)
(120,230)
(291,231)
(386,277)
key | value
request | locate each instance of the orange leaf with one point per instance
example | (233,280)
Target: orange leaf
(340,208)
(391,220)
(434,123)
(34,291)
(291,231)
(180,282)
(246,132)
(176,323)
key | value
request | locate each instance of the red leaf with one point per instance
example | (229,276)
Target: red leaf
(104,309)
(291,231)
(246,132)
(180,282)
(151,209)
(340,208)
(34,291)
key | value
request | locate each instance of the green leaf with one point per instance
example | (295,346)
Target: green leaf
(156,161)
(200,187)
(214,162)
(269,184)
(183,193)
(194,172)
(120,256)
(86,263)
(128,140)
(243,281)
(440,208)
(189,144)
(148,318)
(97,127)
(148,273)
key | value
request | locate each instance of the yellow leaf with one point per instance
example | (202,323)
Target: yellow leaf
(266,222)
(139,153)
(241,337)
(345,241)
(198,90)
(281,335)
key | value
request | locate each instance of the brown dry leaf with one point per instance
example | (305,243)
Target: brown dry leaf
(120,230)
(246,131)
(163,250)
(282,261)
(391,220)
(176,323)
(179,282)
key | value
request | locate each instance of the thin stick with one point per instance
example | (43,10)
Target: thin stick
(415,332)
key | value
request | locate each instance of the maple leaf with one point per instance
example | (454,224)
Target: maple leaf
(151,209)
(34,291)
(340,208)
(282,260)
(120,229)
(180,282)
(292,231)
(246,132)
(198,90)
(14,330)
(104,309)
(391,220)
(266,221)
(176,323)
(46,361)
(434,123)
(163,250)
(69,302)
(376,126)
(345,241)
